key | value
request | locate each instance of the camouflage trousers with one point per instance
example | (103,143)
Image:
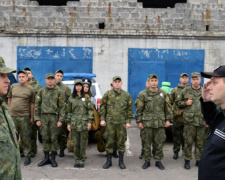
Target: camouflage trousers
(105,137)
(193,134)
(49,132)
(142,146)
(23,127)
(117,134)
(63,133)
(156,138)
(34,129)
(178,141)
(79,140)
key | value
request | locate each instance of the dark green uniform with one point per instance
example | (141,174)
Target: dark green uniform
(66,92)
(153,110)
(49,109)
(194,125)
(178,125)
(116,110)
(10,156)
(35,84)
(79,113)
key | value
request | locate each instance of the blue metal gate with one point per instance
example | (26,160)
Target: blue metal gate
(167,63)
(48,59)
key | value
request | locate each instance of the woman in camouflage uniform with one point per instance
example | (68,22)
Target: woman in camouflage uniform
(79,118)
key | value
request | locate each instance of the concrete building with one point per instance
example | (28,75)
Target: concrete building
(113,37)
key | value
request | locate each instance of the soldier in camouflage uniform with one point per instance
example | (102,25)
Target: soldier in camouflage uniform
(194,125)
(49,115)
(35,84)
(21,98)
(9,148)
(66,92)
(80,114)
(178,125)
(116,112)
(142,143)
(154,113)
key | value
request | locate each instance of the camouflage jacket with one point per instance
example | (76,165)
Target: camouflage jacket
(174,97)
(35,84)
(79,112)
(49,101)
(153,108)
(10,156)
(66,91)
(192,114)
(116,108)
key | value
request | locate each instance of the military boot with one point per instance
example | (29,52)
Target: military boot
(114,154)
(175,156)
(187,164)
(121,163)
(27,161)
(141,156)
(46,160)
(53,162)
(159,165)
(61,153)
(108,162)
(146,165)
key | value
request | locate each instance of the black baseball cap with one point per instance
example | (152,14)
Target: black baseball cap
(218,72)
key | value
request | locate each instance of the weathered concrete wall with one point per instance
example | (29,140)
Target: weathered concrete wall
(121,17)
(111,54)
(127,25)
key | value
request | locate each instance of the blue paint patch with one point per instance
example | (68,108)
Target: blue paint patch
(167,63)
(48,59)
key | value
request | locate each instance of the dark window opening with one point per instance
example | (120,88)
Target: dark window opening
(101,25)
(161,3)
(207,27)
(53,2)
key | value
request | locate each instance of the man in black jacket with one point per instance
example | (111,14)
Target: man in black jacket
(212,163)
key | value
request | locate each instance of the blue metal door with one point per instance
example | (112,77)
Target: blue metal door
(167,63)
(48,59)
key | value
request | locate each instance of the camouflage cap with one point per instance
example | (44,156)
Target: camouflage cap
(195,74)
(78,81)
(59,71)
(49,75)
(117,77)
(183,74)
(22,71)
(4,69)
(153,76)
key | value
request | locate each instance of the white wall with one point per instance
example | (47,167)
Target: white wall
(111,54)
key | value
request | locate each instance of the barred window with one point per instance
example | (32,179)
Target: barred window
(160,3)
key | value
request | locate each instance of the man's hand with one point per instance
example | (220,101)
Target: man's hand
(205,91)
(189,102)
(127,125)
(59,124)
(69,128)
(103,123)
(167,124)
(140,125)
(89,126)
(38,123)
